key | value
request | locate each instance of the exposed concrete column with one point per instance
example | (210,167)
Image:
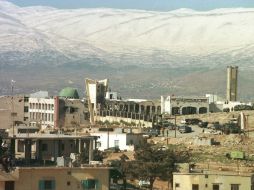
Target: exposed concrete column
(80,146)
(128,107)
(91,150)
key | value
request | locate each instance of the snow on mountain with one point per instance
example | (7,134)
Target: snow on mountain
(104,32)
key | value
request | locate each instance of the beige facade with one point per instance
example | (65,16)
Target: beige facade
(18,105)
(56,178)
(5,119)
(216,180)
(73,113)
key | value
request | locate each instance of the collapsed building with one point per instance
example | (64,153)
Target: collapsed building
(105,105)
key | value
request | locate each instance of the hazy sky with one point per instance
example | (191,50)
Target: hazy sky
(160,5)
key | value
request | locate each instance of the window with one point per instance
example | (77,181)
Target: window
(235,186)
(25,108)
(98,144)
(117,143)
(26,99)
(195,187)
(90,184)
(68,183)
(21,146)
(216,187)
(47,185)
(177,185)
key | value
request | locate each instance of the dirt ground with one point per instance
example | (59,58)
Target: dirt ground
(208,156)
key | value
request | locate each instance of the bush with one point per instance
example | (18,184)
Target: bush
(226,110)
(242,107)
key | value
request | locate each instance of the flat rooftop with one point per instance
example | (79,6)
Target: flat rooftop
(49,136)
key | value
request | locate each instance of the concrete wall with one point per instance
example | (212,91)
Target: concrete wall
(5,119)
(186,180)
(75,115)
(129,120)
(19,115)
(65,178)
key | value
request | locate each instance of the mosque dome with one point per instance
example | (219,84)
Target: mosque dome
(69,92)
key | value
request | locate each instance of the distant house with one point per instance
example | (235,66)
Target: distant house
(213,180)
(117,139)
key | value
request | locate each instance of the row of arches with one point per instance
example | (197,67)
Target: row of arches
(188,110)
(135,108)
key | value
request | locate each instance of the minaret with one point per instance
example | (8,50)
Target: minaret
(232,76)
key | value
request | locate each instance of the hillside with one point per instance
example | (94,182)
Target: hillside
(141,52)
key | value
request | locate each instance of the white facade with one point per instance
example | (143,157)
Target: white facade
(124,141)
(212,98)
(41,112)
(230,105)
(184,105)
(111,95)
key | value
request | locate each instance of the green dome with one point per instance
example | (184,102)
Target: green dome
(68,92)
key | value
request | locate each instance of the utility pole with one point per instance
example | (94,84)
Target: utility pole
(107,137)
(12,107)
(175,125)
(247,124)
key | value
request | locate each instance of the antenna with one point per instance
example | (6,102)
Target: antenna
(12,106)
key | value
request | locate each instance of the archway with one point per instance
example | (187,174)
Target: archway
(189,110)
(202,110)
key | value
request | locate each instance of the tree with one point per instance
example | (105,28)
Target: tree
(152,162)
(122,166)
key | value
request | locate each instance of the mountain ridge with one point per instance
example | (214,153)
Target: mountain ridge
(143,53)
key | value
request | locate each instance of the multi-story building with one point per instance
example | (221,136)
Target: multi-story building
(13,111)
(63,111)
(43,112)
